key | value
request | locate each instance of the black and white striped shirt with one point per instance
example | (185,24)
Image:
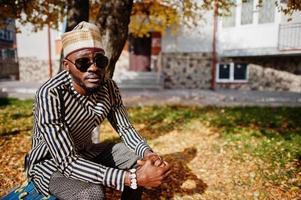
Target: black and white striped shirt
(63,142)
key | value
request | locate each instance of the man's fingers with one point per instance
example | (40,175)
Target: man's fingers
(167,173)
(158,163)
(166,166)
(140,162)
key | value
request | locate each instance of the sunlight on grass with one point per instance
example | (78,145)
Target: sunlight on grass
(264,143)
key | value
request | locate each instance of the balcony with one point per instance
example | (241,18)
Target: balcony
(289,38)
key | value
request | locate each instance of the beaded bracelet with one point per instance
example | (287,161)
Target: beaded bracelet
(133,178)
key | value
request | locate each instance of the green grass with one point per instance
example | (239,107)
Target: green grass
(270,134)
(15,116)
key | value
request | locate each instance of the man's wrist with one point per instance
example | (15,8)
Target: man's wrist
(131,179)
(127,179)
(147,152)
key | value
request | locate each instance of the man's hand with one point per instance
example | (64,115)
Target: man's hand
(155,158)
(149,175)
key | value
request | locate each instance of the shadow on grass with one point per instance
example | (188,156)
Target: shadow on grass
(181,182)
(161,120)
(269,121)
(7,101)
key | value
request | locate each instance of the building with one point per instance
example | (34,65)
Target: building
(38,60)
(9,68)
(250,35)
(262,36)
(258,48)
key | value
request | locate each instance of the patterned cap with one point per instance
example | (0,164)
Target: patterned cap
(84,35)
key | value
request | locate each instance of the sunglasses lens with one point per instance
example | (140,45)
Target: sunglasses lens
(82,64)
(101,60)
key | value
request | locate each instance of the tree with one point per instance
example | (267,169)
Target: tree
(77,11)
(113,19)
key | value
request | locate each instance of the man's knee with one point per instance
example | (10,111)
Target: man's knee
(91,192)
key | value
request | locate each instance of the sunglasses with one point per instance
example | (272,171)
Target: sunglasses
(83,63)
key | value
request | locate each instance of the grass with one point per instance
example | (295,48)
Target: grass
(15,116)
(270,135)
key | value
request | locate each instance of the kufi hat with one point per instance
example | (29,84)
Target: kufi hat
(84,35)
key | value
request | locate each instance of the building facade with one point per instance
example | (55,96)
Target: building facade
(258,48)
(38,60)
(9,68)
(262,36)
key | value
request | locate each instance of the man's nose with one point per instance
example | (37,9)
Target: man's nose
(93,67)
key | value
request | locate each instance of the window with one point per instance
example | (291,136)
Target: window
(232,72)
(224,71)
(1,34)
(6,35)
(240,71)
(3,54)
(229,21)
(247,12)
(8,53)
(267,12)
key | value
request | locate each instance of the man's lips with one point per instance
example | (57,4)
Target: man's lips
(93,78)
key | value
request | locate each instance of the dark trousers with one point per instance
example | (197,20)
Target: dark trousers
(114,155)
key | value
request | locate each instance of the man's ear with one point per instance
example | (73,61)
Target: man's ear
(66,65)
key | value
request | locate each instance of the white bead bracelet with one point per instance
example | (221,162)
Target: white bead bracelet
(133,178)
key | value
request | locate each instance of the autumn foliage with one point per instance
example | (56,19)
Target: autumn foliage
(147,15)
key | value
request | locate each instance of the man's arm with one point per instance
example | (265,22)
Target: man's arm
(62,149)
(119,119)
(152,169)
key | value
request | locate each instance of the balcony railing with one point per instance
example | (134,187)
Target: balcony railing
(289,37)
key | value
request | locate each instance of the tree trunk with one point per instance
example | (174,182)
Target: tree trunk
(77,11)
(113,20)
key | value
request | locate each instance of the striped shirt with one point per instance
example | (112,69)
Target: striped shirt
(64,143)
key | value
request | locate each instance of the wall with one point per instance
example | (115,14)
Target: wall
(250,36)
(33,69)
(193,70)
(291,64)
(33,53)
(35,44)
(197,39)
(267,79)
(186,70)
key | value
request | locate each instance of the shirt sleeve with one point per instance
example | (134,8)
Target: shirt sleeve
(62,148)
(119,119)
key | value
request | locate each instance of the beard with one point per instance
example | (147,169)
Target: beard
(89,89)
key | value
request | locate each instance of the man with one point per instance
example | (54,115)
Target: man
(63,160)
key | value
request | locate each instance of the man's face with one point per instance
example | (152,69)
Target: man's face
(87,76)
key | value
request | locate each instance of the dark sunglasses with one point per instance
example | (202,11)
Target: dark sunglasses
(82,64)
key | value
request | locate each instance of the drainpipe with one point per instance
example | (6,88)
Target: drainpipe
(49,46)
(214,54)
(49,53)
